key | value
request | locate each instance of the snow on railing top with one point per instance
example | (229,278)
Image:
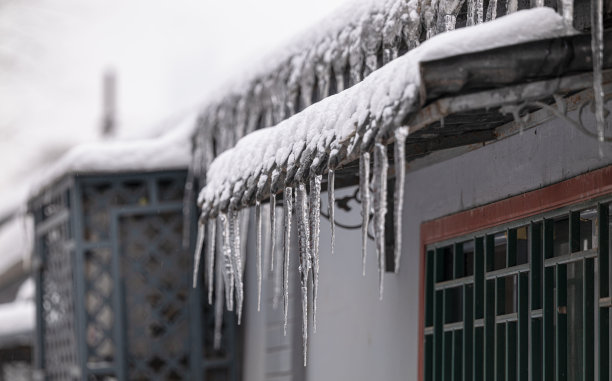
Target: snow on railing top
(169,151)
(292,156)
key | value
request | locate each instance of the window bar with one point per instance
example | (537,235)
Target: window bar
(438,366)
(561,339)
(588,318)
(458,270)
(574,236)
(523,327)
(478,353)
(604,292)
(479,302)
(489,333)
(500,356)
(500,330)
(490,252)
(429,288)
(468,329)
(511,350)
(535,263)
(447,361)
(535,274)
(428,358)
(548,321)
(479,270)
(439,318)
(457,355)
(511,248)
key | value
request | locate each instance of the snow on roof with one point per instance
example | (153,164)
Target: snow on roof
(313,66)
(345,122)
(169,151)
(15,241)
(17,317)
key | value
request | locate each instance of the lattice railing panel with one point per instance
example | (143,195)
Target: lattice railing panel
(57,306)
(99,305)
(156,292)
(98,199)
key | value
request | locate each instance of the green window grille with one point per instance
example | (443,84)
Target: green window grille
(527,300)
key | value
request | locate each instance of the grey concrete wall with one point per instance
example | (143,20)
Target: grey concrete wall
(362,338)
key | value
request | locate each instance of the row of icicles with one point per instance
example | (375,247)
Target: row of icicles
(305,202)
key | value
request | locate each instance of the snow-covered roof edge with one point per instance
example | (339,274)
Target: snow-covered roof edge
(340,126)
(169,151)
(333,55)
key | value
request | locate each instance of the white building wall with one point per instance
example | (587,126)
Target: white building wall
(362,338)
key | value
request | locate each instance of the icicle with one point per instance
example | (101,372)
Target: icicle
(272,229)
(278,270)
(210,256)
(512,6)
(288,207)
(228,269)
(364,190)
(234,230)
(187,210)
(492,10)
(315,228)
(449,22)
(471,13)
(258,244)
(398,202)
(355,57)
(331,205)
(218,304)
(303,231)
(380,208)
(198,253)
(567,9)
(597,48)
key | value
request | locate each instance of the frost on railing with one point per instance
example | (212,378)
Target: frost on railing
(324,65)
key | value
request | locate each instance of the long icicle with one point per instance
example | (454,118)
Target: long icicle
(288,208)
(597,48)
(198,253)
(228,269)
(258,244)
(331,205)
(218,303)
(210,256)
(315,229)
(364,190)
(303,231)
(236,260)
(380,208)
(278,270)
(272,230)
(398,202)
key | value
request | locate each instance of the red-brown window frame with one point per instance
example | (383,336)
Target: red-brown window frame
(581,188)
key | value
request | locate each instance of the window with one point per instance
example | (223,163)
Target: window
(527,299)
